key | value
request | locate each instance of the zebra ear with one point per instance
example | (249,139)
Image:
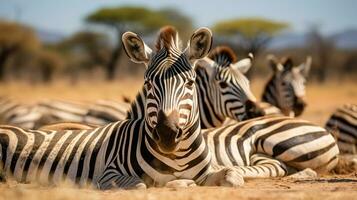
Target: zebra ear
(288,64)
(274,64)
(200,44)
(305,67)
(135,48)
(244,64)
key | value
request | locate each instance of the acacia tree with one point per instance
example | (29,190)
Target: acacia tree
(182,22)
(14,38)
(121,19)
(48,62)
(254,33)
(93,45)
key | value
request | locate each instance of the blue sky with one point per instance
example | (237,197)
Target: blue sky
(67,16)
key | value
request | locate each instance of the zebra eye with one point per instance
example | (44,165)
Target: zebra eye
(190,83)
(147,84)
(223,84)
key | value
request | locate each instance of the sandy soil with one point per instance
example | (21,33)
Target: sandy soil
(326,187)
(322,100)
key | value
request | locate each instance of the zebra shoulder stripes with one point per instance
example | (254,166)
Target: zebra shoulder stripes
(286,88)
(343,124)
(163,146)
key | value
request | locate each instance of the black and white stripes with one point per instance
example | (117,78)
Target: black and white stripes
(278,142)
(343,124)
(286,88)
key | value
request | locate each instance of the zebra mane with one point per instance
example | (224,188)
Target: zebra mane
(223,56)
(287,62)
(135,111)
(168,38)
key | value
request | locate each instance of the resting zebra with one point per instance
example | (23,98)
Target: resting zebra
(343,123)
(18,114)
(46,112)
(165,145)
(286,88)
(261,147)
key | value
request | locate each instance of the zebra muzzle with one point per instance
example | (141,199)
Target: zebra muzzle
(167,133)
(253,110)
(299,106)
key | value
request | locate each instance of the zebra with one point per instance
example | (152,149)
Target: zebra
(33,116)
(224,91)
(100,112)
(16,113)
(270,146)
(286,88)
(343,124)
(164,146)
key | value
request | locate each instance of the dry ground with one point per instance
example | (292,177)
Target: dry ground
(322,100)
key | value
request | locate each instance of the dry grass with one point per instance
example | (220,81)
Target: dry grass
(322,100)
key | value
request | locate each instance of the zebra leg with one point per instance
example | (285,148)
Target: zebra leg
(262,166)
(278,168)
(113,179)
(181,183)
(224,177)
(303,174)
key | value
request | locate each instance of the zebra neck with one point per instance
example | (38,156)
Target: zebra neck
(210,116)
(273,93)
(137,108)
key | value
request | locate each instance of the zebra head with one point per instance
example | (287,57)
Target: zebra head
(171,107)
(229,87)
(288,84)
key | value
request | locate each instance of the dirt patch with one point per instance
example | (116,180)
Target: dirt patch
(327,187)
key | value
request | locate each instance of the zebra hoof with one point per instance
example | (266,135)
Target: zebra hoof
(182,183)
(140,186)
(232,178)
(225,177)
(304,174)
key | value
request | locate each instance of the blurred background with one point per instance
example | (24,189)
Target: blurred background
(72,48)
(44,41)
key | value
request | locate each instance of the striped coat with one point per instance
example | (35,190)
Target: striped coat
(343,124)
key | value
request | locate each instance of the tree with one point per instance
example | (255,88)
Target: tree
(14,38)
(126,18)
(93,45)
(48,62)
(253,33)
(182,22)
